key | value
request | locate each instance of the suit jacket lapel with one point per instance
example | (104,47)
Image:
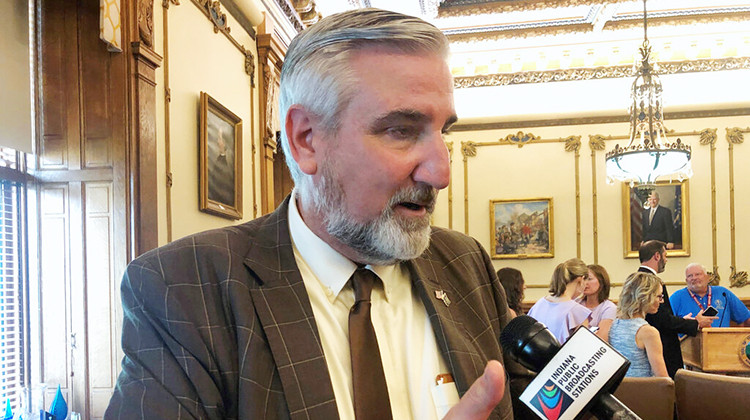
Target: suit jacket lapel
(285,313)
(446,324)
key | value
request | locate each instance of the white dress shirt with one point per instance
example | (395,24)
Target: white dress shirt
(409,351)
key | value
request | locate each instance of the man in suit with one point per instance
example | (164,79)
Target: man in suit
(250,321)
(657,222)
(653,257)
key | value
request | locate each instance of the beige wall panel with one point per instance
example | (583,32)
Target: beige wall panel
(201,60)
(546,170)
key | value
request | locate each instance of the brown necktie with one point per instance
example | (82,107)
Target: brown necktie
(370,390)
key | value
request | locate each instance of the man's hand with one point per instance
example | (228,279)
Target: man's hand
(704,321)
(485,393)
(670,245)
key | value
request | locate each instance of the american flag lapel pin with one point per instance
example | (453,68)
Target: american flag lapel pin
(443,296)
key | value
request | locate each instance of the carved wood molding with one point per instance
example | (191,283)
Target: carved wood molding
(145,12)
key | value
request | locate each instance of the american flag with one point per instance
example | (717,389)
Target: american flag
(636,224)
(677,216)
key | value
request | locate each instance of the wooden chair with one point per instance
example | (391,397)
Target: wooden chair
(649,398)
(709,396)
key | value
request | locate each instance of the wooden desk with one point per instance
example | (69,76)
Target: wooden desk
(718,350)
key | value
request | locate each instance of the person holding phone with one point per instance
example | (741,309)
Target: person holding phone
(701,298)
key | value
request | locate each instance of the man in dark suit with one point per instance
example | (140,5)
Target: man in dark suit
(653,257)
(657,222)
(250,321)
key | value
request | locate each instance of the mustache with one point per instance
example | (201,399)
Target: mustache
(421,194)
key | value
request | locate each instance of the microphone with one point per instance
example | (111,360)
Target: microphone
(725,307)
(572,379)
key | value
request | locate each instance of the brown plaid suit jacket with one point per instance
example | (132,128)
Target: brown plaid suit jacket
(218,325)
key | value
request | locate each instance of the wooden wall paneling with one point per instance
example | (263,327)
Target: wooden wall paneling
(271,51)
(55,274)
(142,150)
(59,106)
(82,179)
(142,188)
(100,291)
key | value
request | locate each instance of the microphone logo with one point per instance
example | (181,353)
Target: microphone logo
(551,400)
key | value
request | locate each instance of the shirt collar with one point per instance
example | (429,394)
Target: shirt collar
(650,269)
(332,269)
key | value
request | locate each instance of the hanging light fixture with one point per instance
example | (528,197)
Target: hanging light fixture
(649,155)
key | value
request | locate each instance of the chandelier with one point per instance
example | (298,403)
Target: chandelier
(649,155)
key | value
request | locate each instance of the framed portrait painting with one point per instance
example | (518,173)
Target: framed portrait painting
(521,228)
(656,211)
(220,166)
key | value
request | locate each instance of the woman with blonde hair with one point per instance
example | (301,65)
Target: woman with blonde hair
(559,312)
(596,298)
(630,334)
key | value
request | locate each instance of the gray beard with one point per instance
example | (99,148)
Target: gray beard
(384,240)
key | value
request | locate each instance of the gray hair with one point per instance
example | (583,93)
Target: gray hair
(316,72)
(691,265)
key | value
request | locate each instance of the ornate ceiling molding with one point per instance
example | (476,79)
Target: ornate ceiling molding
(291,14)
(608,119)
(504,79)
(595,20)
(474,7)
(307,12)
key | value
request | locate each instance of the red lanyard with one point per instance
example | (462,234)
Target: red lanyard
(696,299)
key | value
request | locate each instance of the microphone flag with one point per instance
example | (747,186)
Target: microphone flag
(583,368)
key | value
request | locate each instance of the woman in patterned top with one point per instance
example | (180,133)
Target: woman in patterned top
(630,333)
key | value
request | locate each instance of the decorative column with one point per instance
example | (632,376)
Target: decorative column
(142,177)
(271,52)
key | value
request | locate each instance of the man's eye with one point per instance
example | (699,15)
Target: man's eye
(403,132)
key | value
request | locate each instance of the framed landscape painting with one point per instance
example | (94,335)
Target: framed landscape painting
(521,228)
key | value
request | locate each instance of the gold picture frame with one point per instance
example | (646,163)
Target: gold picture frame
(674,196)
(522,228)
(220,163)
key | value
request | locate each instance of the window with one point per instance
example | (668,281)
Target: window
(12,277)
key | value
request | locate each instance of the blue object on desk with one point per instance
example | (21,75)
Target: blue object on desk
(59,407)
(8,411)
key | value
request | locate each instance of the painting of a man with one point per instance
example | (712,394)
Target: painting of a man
(220,161)
(657,211)
(657,222)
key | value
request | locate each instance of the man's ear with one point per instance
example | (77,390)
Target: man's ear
(300,128)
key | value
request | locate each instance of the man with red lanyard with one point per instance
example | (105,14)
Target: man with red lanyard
(699,295)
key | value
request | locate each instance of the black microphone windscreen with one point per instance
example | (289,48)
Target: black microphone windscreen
(529,342)
(516,328)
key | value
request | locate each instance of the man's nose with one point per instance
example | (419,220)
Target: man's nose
(434,165)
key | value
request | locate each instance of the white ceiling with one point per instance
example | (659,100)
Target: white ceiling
(512,36)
